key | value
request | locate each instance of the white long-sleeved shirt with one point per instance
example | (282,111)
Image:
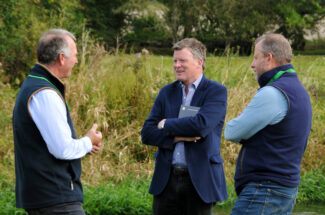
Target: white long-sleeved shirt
(50,116)
(268,107)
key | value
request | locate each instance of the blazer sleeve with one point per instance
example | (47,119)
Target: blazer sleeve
(211,113)
(150,134)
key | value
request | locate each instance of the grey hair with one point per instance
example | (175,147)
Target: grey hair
(52,44)
(277,45)
(197,48)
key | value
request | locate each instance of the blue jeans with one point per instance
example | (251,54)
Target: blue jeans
(265,198)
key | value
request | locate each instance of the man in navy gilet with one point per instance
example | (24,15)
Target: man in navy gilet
(47,151)
(273,131)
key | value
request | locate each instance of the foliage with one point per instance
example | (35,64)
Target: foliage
(7,198)
(21,24)
(312,186)
(315,44)
(234,24)
(225,26)
(7,99)
(127,197)
(145,26)
(294,16)
(130,196)
(104,20)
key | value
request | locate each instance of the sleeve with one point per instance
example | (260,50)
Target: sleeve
(269,106)
(150,134)
(211,113)
(49,114)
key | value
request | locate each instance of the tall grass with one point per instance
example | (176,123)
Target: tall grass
(117,92)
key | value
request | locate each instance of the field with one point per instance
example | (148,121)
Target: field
(117,92)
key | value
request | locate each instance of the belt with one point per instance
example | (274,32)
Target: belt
(179,170)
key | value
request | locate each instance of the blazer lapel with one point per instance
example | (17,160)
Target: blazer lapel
(176,98)
(197,97)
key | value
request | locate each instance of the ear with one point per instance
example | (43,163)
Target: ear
(272,62)
(269,57)
(200,62)
(61,59)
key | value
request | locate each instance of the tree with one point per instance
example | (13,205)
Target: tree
(183,17)
(104,19)
(145,25)
(21,25)
(295,16)
(232,24)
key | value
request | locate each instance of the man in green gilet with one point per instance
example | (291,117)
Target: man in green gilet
(47,151)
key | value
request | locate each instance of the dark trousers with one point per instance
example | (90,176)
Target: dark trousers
(180,197)
(71,208)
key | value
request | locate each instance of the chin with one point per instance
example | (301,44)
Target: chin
(179,77)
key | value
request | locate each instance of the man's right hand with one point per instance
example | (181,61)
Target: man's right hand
(186,139)
(96,139)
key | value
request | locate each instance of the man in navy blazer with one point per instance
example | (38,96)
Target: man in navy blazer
(189,176)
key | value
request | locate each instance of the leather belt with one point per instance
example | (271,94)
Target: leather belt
(179,170)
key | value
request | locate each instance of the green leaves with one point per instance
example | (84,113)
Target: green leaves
(22,22)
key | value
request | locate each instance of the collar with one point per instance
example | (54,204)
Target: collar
(43,71)
(49,71)
(267,76)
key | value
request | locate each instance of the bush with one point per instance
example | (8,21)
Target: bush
(129,197)
(21,25)
(312,186)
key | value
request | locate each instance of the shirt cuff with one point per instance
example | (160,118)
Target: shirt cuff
(88,144)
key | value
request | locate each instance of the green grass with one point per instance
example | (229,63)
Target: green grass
(127,197)
(130,196)
(312,187)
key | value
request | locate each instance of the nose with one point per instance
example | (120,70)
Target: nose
(253,64)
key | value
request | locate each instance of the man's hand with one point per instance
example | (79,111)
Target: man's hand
(186,139)
(96,139)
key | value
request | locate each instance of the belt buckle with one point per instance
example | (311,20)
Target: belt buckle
(179,170)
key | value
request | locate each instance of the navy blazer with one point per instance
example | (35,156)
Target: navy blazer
(203,157)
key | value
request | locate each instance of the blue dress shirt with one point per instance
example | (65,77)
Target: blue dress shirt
(179,152)
(268,107)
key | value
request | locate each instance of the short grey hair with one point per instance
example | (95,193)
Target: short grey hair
(197,48)
(277,45)
(52,44)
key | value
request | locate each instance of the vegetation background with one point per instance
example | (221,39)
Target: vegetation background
(115,86)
